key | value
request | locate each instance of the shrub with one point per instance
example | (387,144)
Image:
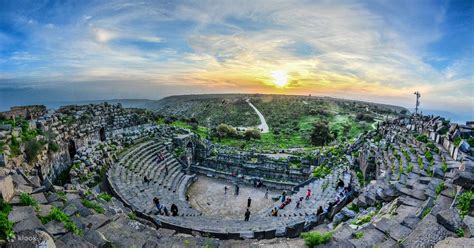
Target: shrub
(58,215)
(132,216)
(440,188)
(363,219)
(312,239)
(444,167)
(358,235)
(27,200)
(53,147)
(6,226)
(409,168)
(429,156)
(32,148)
(425,212)
(422,138)
(104,196)
(321,171)
(354,207)
(252,134)
(89,204)
(460,232)
(457,141)
(433,147)
(420,163)
(464,202)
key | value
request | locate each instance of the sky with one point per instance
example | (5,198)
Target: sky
(381,51)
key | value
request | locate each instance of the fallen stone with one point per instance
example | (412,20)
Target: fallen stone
(455,242)
(55,228)
(20,213)
(450,219)
(31,223)
(96,238)
(31,239)
(464,179)
(40,198)
(427,233)
(7,190)
(469,223)
(72,240)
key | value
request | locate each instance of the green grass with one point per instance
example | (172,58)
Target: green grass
(201,131)
(89,204)
(132,216)
(58,215)
(354,207)
(460,232)
(312,239)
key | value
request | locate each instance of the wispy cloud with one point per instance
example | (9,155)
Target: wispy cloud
(378,50)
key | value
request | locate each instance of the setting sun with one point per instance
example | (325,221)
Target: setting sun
(280,78)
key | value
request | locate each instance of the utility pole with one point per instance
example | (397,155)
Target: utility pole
(418,95)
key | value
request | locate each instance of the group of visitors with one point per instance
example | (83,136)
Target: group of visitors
(163,210)
(160,157)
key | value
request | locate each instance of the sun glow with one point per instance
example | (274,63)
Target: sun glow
(280,78)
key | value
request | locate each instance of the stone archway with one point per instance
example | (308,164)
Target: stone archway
(72,149)
(102,134)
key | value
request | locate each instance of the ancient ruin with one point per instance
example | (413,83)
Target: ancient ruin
(97,169)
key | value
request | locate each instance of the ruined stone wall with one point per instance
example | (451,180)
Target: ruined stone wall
(73,127)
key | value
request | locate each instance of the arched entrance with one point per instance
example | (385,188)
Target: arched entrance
(72,149)
(102,134)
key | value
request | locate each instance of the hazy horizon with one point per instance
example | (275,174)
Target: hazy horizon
(377,51)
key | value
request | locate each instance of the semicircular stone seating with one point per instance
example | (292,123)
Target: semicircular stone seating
(127,179)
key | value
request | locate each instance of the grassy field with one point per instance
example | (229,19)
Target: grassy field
(290,118)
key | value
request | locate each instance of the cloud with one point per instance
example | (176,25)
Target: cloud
(368,50)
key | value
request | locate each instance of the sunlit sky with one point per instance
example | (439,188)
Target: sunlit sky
(379,51)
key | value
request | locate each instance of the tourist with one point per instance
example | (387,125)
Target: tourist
(249,201)
(247,215)
(145,179)
(308,194)
(266,194)
(320,210)
(187,197)
(174,210)
(340,183)
(166,169)
(275,212)
(283,196)
(236,189)
(298,204)
(166,211)
(225,190)
(156,201)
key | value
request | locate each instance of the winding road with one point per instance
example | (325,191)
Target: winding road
(263,123)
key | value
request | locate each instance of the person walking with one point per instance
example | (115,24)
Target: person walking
(247,215)
(225,190)
(249,201)
(266,194)
(174,210)
(308,194)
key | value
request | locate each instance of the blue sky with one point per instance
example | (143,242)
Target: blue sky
(369,50)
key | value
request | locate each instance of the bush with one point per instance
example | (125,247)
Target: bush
(132,216)
(89,204)
(425,212)
(27,200)
(354,207)
(252,134)
(32,148)
(104,196)
(358,235)
(429,156)
(440,188)
(321,171)
(422,138)
(6,226)
(464,202)
(363,219)
(444,167)
(58,215)
(53,147)
(312,239)
(409,168)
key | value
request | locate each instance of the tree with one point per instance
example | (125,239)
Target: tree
(321,134)
(252,133)
(224,130)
